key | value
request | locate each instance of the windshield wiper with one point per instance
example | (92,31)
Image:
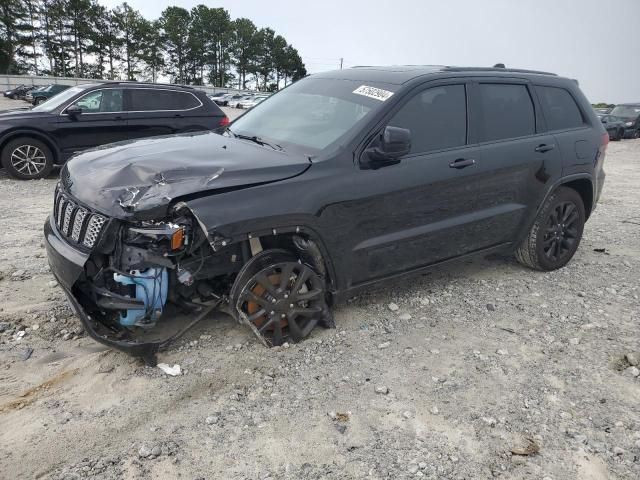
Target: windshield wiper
(256,139)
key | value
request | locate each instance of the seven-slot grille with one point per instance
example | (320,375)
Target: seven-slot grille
(76,223)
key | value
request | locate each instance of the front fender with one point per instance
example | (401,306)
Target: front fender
(28,132)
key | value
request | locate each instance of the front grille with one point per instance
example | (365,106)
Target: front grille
(76,223)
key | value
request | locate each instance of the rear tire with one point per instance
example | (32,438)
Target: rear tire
(27,158)
(556,232)
(636,134)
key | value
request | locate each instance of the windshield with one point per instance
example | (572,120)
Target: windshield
(624,111)
(59,99)
(312,113)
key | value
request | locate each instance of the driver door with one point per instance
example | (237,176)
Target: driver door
(103,120)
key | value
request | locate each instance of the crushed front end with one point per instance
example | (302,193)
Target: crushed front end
(137,285)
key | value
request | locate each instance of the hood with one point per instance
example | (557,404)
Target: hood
(139,179)
(21,113)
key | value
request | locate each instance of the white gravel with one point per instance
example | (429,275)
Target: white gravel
(440,387)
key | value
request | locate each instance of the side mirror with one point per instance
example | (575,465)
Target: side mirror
(603,120)
(387,149)
(73,110)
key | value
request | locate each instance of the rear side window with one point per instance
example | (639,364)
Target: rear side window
(507,111)
(436,117)
(560,109)
(148,99)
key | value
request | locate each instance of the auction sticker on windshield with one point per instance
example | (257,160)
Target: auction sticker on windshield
(373,92)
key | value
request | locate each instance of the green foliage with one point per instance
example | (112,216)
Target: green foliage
(603,105)
(85,39)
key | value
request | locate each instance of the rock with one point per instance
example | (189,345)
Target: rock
(4,326)
(489,421)
(422,465)
(67,336)
(491,307)
(434,410)
(156,451)
(382,389)
(384,345)
(212,420)
(633,371)
(18,274)
(633,358)
(413,468)
(144,452)
(501,351)
(574,341)
(35,326)
(393,307)
(406,414)
(405,317)
(52,284)
(618,451)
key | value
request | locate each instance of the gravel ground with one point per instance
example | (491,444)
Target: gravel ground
(482,370)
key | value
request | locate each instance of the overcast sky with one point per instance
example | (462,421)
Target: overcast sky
(594,41)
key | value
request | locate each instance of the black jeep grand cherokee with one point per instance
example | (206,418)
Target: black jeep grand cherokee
(342,179)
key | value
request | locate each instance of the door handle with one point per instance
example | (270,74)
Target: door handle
(118,117)
(462,162)
(544,148)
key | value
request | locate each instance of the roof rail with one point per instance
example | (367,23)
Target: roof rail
(497,69)
(135,82)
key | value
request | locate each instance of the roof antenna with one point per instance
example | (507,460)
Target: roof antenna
(499,65)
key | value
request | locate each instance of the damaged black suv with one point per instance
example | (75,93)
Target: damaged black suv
(341,180)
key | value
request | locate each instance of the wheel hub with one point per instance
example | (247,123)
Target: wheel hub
(28,159)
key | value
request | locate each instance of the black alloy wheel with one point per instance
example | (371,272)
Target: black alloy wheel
(556,232)
(281,298)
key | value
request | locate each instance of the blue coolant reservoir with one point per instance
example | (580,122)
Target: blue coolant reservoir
(151,287)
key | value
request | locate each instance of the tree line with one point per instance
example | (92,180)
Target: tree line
(81,38)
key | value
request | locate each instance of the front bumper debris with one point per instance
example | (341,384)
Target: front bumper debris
(67,265)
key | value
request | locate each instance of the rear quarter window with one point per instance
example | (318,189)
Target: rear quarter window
(560,109)
(148,99)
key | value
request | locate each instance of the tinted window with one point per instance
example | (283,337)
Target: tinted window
(507,111)
(101,101)
(145,99)
(560,109)
(436,117)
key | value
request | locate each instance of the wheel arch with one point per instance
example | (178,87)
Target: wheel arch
(305,242)
(43,137)
(584,187)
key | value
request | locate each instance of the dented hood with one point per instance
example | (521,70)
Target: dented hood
(139,179)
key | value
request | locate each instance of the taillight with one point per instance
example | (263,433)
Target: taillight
(604,140)
(224,122)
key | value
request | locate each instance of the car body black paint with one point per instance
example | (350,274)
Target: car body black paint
(369,223)
(68,134)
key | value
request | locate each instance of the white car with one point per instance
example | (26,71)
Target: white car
(236,102)
(252,102)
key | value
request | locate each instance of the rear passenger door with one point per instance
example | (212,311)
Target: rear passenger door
(161,111)
(570,128)
(520,159)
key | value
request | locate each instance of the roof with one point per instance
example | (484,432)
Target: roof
(399,74)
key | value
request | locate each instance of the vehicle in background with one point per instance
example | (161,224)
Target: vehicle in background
(223,100)
(252,102)
(37,96)
(602,111)
(236,103)
(216,96)
(18,92)
(614,126)
(630,114)
(339,181)
(85,116)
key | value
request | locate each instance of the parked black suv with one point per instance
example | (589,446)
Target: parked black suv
(629,113)
(340,180)
(33,141)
